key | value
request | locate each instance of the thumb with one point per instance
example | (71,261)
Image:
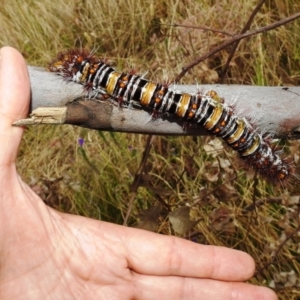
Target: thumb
(14,102)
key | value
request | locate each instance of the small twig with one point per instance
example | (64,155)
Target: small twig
(288,237)
(138,176)
(201,28)
(234,40)
(249,225)
(234,47)
(260,203)
(211,192)
(183,45)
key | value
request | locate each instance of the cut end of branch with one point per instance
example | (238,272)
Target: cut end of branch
(44,115)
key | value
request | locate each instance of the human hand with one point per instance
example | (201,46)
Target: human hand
(45,254)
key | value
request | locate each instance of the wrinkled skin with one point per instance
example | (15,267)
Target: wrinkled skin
(45,254)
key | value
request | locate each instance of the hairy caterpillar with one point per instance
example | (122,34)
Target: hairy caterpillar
(202,109)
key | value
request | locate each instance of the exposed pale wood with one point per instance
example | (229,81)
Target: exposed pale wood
(45,115)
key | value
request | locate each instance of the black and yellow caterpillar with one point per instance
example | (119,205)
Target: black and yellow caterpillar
(202,109)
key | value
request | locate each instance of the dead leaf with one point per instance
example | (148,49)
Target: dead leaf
(224,163)
(180,220)
(212,177)
(286,279)
(214,147)
(148,218)
(226,192)
(221,220)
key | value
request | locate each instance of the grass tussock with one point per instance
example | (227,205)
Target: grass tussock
(92,173)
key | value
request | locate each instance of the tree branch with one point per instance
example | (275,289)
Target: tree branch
(235,45)
(272,109)
(233,40)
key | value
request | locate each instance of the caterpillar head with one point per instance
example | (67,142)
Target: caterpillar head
(69,63)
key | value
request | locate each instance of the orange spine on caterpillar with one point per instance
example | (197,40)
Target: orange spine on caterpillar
(207,110)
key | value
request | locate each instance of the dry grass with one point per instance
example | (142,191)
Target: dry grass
(94,179)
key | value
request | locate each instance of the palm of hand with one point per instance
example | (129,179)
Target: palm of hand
(45,254)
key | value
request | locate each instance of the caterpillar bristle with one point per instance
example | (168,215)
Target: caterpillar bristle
(199,109)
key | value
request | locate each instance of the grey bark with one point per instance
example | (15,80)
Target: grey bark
(272,109)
